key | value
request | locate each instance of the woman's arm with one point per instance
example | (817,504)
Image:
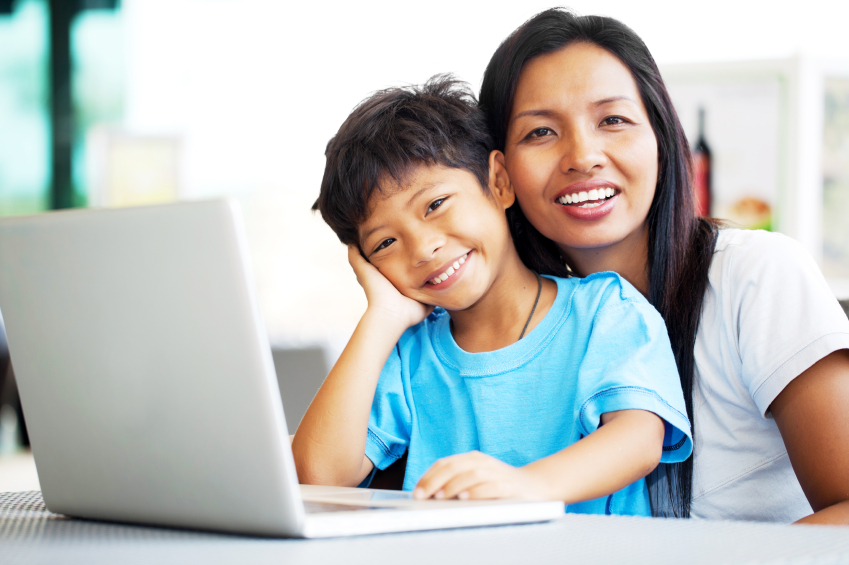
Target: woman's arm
(812,413)
(625,448)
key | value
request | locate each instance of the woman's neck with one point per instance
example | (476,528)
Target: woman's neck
(628,258)
(497,319)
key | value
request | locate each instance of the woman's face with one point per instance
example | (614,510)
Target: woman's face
(580,151)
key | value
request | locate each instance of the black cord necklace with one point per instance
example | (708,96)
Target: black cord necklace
(534,309)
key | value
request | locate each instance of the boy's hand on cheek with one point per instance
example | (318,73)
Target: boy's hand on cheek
(383,298)
(475,475)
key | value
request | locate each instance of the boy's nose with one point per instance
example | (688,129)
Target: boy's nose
(427,246)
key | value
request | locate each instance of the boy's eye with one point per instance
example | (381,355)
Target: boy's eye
(435,204)
(384,244)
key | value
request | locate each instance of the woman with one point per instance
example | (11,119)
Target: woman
(600,166)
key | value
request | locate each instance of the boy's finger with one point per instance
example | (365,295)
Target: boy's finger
(358,263)
(440,473)
(466,481)
(354,255)
(484,491)
(430,483)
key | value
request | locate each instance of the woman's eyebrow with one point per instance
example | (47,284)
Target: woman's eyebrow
(544,113)
(551,113)
(604,101)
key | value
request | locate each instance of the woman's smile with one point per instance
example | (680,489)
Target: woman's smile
(589,200)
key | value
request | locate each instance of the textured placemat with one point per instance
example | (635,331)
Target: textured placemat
(24,517)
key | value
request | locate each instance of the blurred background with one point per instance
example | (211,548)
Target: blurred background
(129,102)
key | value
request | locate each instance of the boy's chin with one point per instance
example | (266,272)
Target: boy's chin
(449,305)
(431,303)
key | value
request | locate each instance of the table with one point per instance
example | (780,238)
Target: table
(29,533)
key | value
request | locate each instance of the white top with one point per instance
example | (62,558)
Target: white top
(768,315)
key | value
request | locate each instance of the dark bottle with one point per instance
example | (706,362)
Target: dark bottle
(701,170)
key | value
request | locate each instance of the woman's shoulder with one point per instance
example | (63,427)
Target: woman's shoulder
(735,237)
(756,245)
(769,306)
(765,257)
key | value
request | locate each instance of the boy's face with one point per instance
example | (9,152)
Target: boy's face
(440,239)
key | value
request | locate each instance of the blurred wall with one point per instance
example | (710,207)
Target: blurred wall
(253,90)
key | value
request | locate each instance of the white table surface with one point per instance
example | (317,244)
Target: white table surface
(31,534)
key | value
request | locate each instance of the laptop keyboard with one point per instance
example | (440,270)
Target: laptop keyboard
(313,507)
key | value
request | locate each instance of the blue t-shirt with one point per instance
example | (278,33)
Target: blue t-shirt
(601,347)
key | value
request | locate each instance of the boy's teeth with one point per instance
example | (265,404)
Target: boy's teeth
(449,271)
(591,196)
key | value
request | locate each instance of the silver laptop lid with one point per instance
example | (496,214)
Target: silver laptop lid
(144,369)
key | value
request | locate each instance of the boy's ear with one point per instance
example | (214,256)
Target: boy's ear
(499,181)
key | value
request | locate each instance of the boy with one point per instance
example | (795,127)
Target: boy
(496,381)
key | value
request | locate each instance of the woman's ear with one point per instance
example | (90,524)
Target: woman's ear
(499,181)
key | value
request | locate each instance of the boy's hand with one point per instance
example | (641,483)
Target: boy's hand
(382,296)
(476,475)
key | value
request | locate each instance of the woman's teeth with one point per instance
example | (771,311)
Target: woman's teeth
(449,271)
(587,199)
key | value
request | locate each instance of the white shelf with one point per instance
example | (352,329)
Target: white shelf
(800,83)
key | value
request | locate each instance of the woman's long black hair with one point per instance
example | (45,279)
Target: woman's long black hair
(680,245)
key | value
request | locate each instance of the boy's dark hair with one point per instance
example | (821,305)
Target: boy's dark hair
(393,131)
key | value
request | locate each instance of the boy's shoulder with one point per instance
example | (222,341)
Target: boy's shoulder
(602,289)
(426,328)
(438,314)
(578,299)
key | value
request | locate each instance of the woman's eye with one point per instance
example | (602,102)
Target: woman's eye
(612,121)
(435,204)
(384,244)
(540,132)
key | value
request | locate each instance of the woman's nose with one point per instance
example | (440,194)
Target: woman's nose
(582,152)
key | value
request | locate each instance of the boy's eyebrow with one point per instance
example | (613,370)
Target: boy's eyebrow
(422,190)
(366,235)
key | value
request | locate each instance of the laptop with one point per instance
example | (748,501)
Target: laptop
(147,382)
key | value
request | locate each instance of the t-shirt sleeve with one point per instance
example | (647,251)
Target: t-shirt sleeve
(629,365)
(390,421)
(785,316)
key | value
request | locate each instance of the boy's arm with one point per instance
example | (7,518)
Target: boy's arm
(329,445)
(625,448)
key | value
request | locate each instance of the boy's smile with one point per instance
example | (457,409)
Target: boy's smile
(439,239)
(447,277)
